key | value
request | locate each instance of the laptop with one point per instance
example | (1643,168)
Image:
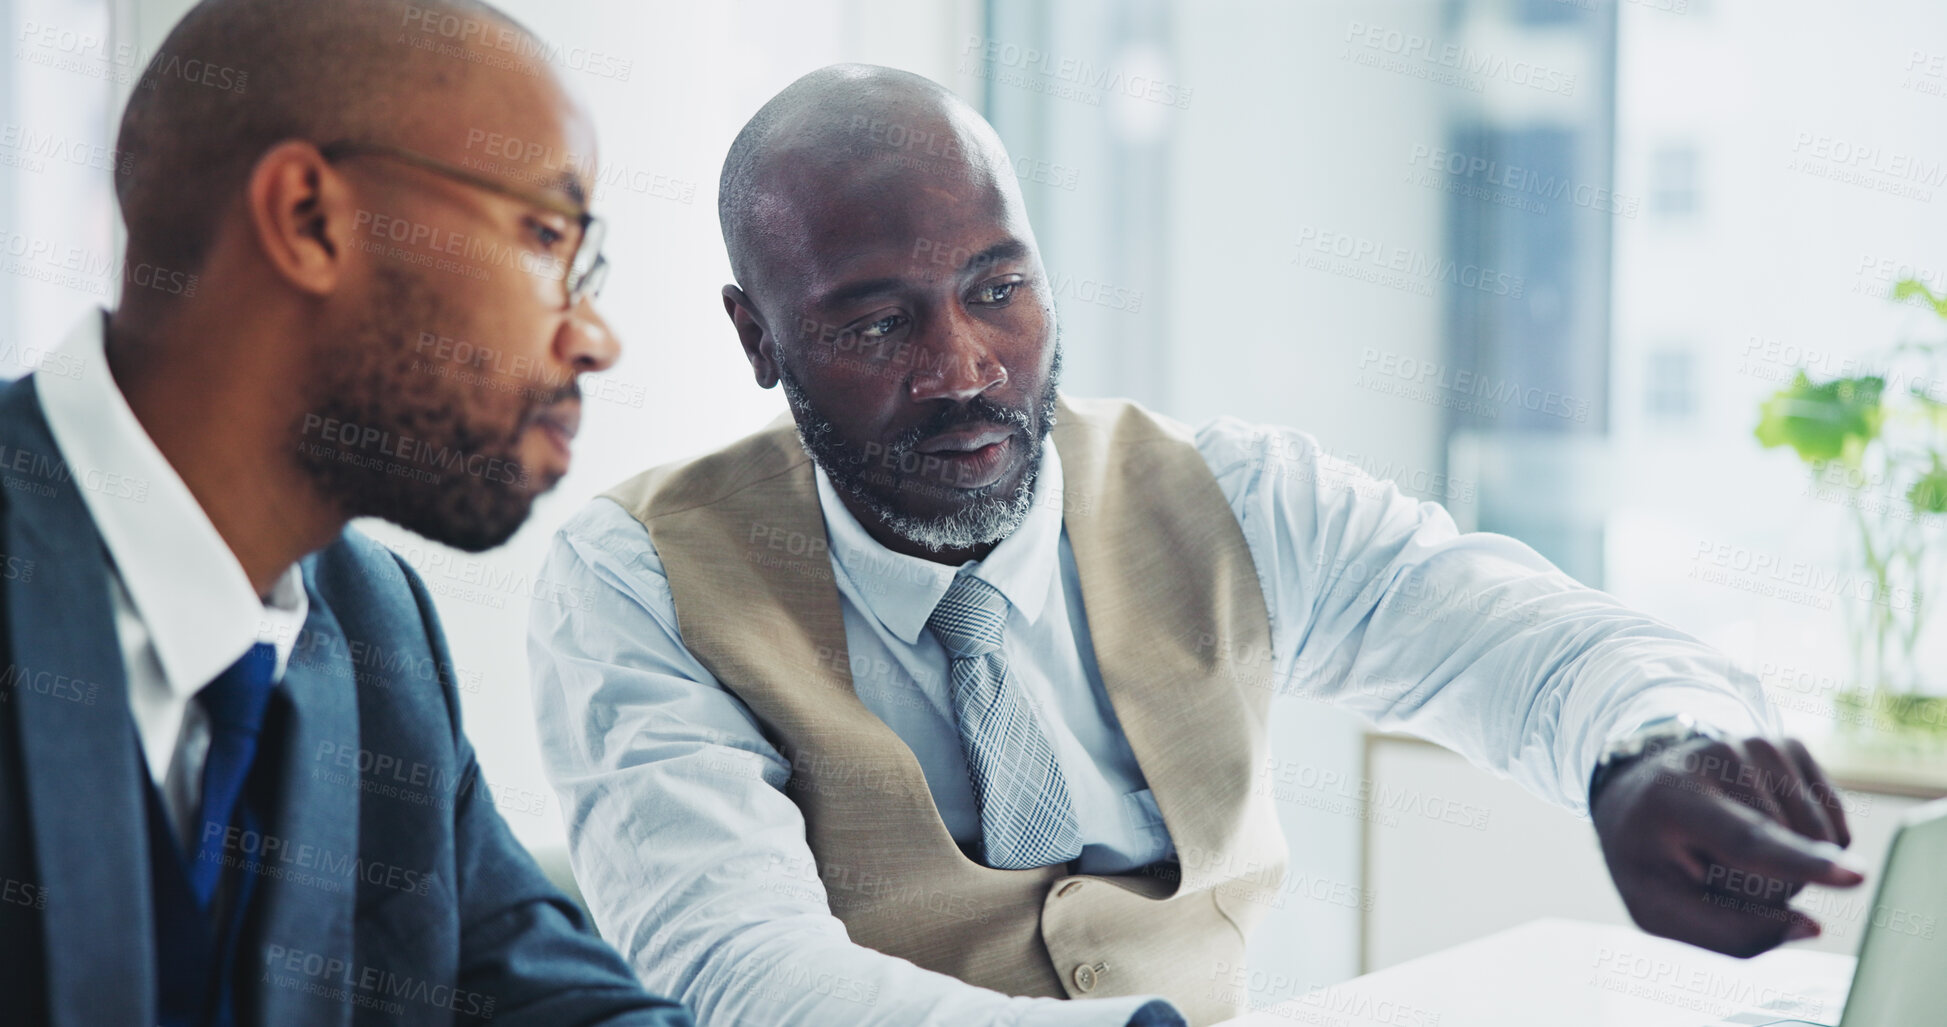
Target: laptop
(1901,979)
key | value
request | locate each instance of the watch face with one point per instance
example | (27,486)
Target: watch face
(1658,734)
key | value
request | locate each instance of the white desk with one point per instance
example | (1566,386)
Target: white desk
(1560,973)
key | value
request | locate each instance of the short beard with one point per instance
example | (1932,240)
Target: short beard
(990,514)
(405,448)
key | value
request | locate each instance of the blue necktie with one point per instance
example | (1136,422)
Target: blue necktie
(1026,819)
(235,703)
(193,948)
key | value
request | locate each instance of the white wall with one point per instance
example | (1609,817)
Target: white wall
(57,213)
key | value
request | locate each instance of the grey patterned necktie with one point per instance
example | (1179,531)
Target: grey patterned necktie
(1026,819)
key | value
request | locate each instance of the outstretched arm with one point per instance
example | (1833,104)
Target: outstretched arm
(1380,604)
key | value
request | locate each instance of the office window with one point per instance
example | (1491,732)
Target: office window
(1675,181)
(1531,207)
(1552,12)
(1791,270)
(1670,386)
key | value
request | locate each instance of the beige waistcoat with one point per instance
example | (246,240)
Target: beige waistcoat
(1179,627)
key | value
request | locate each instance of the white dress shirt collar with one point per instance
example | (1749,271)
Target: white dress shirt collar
(901,591)
(194,597)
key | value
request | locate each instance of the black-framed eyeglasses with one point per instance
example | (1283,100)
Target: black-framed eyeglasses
(587,270)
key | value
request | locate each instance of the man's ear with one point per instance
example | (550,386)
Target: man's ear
(760,347)
(300,216)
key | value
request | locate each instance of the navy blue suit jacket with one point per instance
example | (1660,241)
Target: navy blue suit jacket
(389,890)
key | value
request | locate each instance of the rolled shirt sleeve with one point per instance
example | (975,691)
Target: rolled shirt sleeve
(1379,604)
(690,855)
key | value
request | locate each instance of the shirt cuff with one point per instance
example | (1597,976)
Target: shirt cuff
(1127,1011)
(1724,715)
(1157,1013)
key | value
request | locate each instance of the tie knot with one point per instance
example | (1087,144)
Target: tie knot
(236,700)
(969,618)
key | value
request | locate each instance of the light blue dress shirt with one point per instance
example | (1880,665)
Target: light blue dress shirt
(694,861)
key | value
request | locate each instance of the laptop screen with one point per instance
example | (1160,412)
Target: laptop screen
(1902,975)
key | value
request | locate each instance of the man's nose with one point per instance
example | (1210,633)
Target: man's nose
(957,366)
(584,341)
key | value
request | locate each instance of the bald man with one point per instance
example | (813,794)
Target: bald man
(946,697)
(234,788)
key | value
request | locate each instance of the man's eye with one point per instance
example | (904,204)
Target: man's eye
(547,236)
(882,327)
(999,292)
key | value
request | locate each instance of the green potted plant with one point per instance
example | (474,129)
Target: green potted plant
(1876,443)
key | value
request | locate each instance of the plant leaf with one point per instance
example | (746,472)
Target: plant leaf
(1823,422)
(1929,494)
(1907,288)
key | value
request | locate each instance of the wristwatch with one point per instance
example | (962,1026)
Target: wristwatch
(1652,735)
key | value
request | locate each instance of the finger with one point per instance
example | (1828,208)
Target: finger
(1727,922)
(1796,925)
(1781,778)
(1754,891)
(1732,769)
(1744,839)
(1826,794)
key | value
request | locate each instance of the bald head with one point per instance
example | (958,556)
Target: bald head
(847,129)
(236,77)
(887,278)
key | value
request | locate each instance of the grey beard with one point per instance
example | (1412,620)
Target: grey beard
(988,518)
(985,521)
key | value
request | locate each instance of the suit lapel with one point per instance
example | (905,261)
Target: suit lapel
(317,805)
(83,775)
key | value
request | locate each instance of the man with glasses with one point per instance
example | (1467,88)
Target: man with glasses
(584,272)
(234,788)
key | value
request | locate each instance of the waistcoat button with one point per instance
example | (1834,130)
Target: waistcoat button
(1084,978)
